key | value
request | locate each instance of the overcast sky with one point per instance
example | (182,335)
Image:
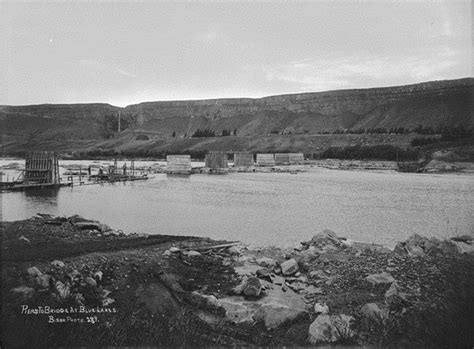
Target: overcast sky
(131,52)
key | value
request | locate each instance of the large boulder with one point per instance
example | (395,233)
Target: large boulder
(374,312)
(330,328)
(238,310)
(415,245)
(448,247)
(274,309)
(274,315)
(416,240)
(431,244)
(239,289)
(414,250)
(463,247)
(321,308)
(289,267)
(252,287)
(266,262)
(265,274)
(306,258)
(324,241)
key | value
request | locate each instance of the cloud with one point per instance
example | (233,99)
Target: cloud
(328,73)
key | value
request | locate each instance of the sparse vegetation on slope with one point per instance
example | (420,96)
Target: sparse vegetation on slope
(423,108)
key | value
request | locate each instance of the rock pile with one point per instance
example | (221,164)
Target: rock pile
(326,290)
(324,241)
(420,246)
(330,328)
(87,226)
(277,287)
(65,285)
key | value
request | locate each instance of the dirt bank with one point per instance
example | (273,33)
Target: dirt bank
(73,282)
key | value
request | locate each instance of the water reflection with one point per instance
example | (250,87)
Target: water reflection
(37,198)
(48,195)
(177,177)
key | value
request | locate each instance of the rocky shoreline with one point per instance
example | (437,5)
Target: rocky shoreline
(70,281)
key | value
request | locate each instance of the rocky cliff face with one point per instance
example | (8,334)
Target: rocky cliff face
(438,103)
(332,103)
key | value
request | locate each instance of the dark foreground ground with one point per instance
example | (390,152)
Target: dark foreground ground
(68,282)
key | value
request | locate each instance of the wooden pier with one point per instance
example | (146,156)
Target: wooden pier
(15,186)
(42,171)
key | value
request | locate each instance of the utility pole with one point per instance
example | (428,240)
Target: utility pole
(119,122)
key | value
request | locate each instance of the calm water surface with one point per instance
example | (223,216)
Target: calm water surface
(269,208)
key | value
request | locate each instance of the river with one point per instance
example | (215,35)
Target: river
(262,209)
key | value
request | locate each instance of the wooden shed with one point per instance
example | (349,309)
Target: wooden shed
(178,164)
(265,160)
(243,159)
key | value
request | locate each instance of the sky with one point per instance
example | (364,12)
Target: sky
(130,52)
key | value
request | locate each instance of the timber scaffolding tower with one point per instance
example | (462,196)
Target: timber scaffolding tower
(216,161)
(41,168)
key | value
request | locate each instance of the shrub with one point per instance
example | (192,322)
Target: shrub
(374,152)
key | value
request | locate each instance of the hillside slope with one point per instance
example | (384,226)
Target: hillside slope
(431,104)
(439,103)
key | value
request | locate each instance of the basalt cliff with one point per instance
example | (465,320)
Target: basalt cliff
(434,104)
